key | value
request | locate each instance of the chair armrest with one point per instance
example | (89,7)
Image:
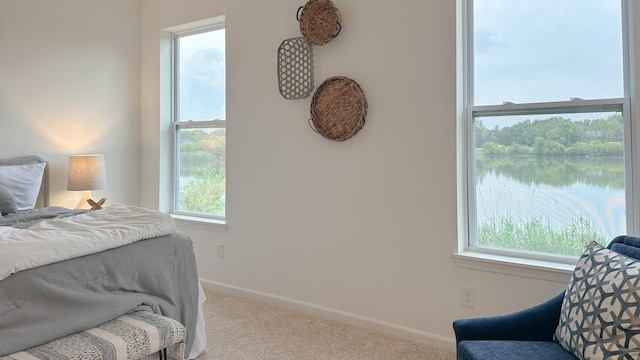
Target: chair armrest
(537,323)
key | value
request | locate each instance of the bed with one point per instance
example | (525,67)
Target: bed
(60,287)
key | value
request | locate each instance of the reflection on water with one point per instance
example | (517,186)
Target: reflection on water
(555,188)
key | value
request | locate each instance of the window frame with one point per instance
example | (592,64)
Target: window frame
(521,262)
(218,23)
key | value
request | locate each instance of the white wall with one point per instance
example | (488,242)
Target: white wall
(70,84)
(363,228)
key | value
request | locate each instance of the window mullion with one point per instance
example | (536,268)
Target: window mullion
(567,107)
(208,124)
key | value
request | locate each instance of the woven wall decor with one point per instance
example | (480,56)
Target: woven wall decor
(295,68)
(320,21)
(338,109)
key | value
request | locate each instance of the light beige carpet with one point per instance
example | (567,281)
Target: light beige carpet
(242,329)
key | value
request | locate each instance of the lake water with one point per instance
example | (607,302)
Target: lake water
(556,189)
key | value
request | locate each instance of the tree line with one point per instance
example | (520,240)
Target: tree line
(555,136)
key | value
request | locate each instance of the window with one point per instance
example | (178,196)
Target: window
(199,121)
(547,127)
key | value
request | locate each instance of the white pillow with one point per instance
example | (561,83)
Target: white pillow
(23,181)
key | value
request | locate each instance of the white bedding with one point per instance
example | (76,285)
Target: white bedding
(56,240)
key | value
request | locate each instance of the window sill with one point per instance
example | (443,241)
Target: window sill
(200,223)
(534,269)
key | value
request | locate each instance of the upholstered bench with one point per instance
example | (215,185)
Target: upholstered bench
(131,336)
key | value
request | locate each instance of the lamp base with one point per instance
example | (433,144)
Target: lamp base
(96,205)
(86,203)
(83,204)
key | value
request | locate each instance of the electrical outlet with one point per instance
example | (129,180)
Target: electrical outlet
(221,250)
(467,296)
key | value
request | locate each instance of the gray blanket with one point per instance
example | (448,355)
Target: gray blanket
(24,219)
(56,300)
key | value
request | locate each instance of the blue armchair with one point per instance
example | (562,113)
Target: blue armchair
(526,334)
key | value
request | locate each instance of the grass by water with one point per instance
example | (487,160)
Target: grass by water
(537,235)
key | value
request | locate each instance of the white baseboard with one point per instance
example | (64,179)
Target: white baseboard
(400,331)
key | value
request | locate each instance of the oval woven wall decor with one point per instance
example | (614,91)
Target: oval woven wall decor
(320,21)
(338,109)
(295,68)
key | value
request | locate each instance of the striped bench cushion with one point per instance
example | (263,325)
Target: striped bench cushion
(131,336)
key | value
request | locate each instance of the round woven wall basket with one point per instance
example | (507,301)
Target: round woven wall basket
(319,21)
(338,109)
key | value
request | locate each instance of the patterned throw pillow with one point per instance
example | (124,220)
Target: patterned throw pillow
(600,316)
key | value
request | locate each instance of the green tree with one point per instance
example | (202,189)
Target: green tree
(203,161)
(205,194)
(555,136)
(491,148)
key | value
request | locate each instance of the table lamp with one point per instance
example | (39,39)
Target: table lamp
(86,173)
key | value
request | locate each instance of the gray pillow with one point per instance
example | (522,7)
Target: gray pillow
(7,201)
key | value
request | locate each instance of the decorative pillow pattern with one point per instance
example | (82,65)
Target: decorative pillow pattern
(23,181)
(600,316)
(7,201)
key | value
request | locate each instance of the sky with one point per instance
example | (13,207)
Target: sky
(202,76)
(547,50)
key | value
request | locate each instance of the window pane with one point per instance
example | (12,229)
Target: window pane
(549,183)
(201,168)
(546,50)
(201,92)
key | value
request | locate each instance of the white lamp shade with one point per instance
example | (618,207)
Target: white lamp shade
(86,172)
